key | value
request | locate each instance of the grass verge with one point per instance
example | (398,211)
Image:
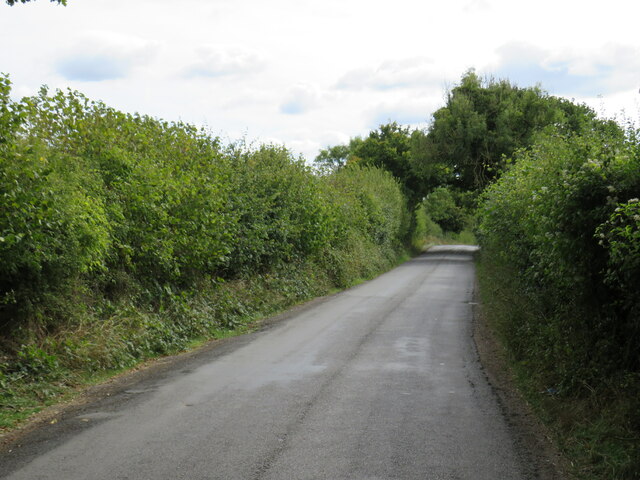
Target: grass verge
(598,431)
(55,368)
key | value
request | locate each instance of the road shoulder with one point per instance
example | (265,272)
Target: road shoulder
(39,428)
(531,436)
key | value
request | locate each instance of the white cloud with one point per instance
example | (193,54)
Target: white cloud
(518,52)
(94,68)
(574,71)
(475,6)
(300,99)
(418,72)
(306,147)
(239,66)
(104,55)
(332,137)
(406,111)
(217,61)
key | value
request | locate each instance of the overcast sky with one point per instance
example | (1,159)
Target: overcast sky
(311,73)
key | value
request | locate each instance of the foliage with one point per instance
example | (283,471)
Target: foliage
(370,216)
(92,196)
(598,431)
(484,122)
(620,235)
(123,237)
(332,158)
(560,228)
(280,208)
(471,139)
(444,210)
(544,215)
(389,147)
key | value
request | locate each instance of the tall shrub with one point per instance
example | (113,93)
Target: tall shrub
(547,218)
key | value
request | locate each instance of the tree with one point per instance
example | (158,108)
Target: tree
(484,122)
(390,148)
(333,158)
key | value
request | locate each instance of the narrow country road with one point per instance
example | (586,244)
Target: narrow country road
(379,382)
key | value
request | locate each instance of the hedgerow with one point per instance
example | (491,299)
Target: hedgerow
(123,237)
(561,232)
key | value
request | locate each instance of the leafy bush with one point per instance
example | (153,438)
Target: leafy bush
(280,209)
(560,231)
(124,237)
(369,222)
(52,228)
(444,210)
(543,217)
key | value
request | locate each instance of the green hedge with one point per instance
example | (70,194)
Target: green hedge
(563,216)
(124,236)
(560,233)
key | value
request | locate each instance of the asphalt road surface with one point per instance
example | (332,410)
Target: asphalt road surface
(378,382)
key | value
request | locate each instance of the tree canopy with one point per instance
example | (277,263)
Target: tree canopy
(485,121)
(470,140)
(389,147)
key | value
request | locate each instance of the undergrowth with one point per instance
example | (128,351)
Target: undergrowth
(596,427)
(117,336)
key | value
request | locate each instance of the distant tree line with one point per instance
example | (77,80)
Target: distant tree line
(470,139)
(470,142)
